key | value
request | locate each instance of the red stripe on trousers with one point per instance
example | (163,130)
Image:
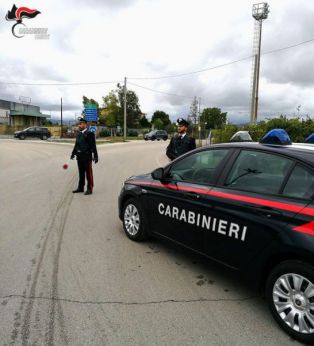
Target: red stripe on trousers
(90,172)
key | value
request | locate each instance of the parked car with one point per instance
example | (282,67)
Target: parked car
(156,134)
(33,132)
(247,205)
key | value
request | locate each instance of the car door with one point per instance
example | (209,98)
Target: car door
(39,132)
(300,189)
(249,210)
(159,134)
(176,202)
(31,132)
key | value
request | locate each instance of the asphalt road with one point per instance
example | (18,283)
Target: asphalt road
(69,275)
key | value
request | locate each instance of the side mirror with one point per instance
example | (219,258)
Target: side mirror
(158,173)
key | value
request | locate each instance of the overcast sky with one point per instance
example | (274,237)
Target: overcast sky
(106,40)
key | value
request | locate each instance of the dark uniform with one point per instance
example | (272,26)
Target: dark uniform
(85,151)
(179,144)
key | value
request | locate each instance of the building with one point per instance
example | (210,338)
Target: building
(20,114)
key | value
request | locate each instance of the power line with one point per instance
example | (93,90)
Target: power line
(158,91)
(161,77)
(288,47)
(62,84)
(223,65)
(194,72)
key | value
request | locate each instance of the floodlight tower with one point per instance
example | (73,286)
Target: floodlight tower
(259,12)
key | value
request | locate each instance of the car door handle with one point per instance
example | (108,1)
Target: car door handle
(192,195)
(267,211)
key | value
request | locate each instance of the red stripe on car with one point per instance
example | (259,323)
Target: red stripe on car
(307,228)
(258,201)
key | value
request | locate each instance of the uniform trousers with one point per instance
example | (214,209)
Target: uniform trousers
(85,170)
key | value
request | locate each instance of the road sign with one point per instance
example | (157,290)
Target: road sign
(90,111)
(93,129)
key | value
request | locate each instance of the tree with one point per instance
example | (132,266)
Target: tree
(133,110)
(193,111)
(111,110)
(158,124)
(214,118)
(87,100)
(144,122)
(163,117)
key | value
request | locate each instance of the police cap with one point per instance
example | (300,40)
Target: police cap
(181,121)
(82,120)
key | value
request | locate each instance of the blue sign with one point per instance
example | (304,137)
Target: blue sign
(90,111)
(93,129)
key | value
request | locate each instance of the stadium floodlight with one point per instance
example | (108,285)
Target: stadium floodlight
(259,12)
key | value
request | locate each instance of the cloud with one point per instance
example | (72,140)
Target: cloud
(107,40)
(108,4)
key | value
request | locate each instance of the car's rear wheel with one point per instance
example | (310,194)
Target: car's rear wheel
(153,138)
(133,220)
(44,137)
(165,138)
(290,295)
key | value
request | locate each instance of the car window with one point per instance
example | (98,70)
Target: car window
(198,168)
(300,183)
(260,172)
(31,129)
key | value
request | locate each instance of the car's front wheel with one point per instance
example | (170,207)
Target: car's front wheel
(153,138)
(290,295)
(22,136)
(133,220)
(44,137)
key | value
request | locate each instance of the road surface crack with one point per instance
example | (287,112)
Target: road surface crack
(12,296)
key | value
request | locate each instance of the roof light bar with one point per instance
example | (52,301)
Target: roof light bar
(309,139)
(241,136)
(277,137)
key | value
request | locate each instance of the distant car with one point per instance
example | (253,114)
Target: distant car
(156,134)
(33,132)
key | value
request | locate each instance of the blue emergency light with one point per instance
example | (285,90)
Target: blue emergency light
(276,136)
(309,139)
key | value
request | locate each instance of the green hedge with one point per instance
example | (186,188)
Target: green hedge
(297,129)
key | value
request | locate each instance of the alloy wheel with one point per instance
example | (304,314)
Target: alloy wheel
(131,219)
(293,298)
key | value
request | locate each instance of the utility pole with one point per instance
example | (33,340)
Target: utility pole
(124,89)
(199,120)
(260,12)
(61,120)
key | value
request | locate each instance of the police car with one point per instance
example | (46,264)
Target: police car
(246,205)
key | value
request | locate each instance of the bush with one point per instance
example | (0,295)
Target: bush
(297,129)
(105,133)
(223,135)
(132,133)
